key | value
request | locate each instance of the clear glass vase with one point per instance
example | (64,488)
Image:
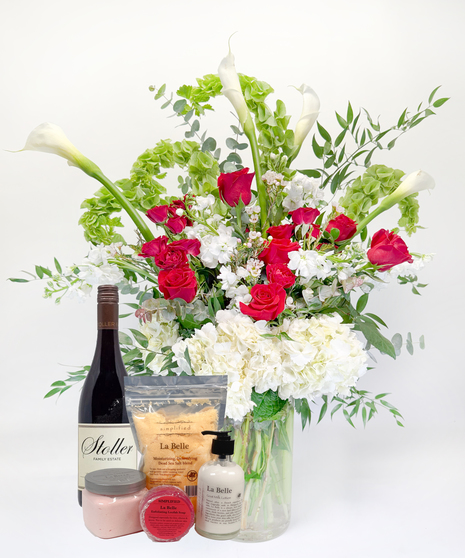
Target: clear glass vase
(264,451)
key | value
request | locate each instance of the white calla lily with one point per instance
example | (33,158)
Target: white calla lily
(50,138)
(232,87)
(413,183)
(310,112)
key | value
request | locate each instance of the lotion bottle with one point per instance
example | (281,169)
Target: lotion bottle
(220,488)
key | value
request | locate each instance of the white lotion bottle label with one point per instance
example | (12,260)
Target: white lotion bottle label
(105,446)
(220,505)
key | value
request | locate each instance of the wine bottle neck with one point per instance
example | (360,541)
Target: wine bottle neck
(107,316)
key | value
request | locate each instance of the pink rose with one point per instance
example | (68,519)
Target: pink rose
(179,282)
(281,231)
(387,250)
(277,251)
(346,227)
(280,274)
(268,301)
(235,185)
(304,215)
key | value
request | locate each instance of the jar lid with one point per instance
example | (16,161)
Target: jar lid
(115,482)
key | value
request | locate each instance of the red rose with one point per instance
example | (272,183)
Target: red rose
(316,230)
(191,246)
(268,301)
(304,215)
(152,248)
(158,214)
(278,250)
(282,231)
(179,282)
(176,224)
(234,186)
(388,249)
(346,227)
(280,274)
(176,204)
(171,257)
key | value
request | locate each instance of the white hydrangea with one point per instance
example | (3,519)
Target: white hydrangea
(308,264)
(324,357)
(224,349)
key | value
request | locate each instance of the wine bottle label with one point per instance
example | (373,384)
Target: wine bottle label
(105,446)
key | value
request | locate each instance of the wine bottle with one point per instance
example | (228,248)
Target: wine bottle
(105,437)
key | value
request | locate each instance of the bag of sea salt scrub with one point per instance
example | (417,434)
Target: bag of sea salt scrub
(168,415)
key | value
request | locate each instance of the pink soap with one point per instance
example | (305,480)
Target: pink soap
(110,502)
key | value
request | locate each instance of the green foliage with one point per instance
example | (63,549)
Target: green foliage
(367,190)
(339,160)
(268,405)
(358,403)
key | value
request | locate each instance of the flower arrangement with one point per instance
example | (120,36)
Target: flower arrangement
(262,274)
(251,274)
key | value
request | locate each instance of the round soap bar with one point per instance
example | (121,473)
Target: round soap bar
(166,514)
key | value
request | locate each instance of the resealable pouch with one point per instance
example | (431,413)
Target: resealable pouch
(167,415)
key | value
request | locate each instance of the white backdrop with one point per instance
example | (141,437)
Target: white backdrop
(86,66)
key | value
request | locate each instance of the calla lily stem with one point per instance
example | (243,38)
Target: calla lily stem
(249,131)
(96,173)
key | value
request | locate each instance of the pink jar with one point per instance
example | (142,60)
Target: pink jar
(110,502)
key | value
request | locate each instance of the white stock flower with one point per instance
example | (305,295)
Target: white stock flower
(308,264)
(237,295)
(203,202)
(310,111)
(407,269)
(105,274)
(302,191)
(328,291)
(80,290)
(161,332)
(227,277)
(100,254)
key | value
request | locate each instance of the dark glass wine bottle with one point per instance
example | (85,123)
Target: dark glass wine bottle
(105,437)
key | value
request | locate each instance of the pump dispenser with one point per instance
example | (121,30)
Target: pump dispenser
(220,489)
